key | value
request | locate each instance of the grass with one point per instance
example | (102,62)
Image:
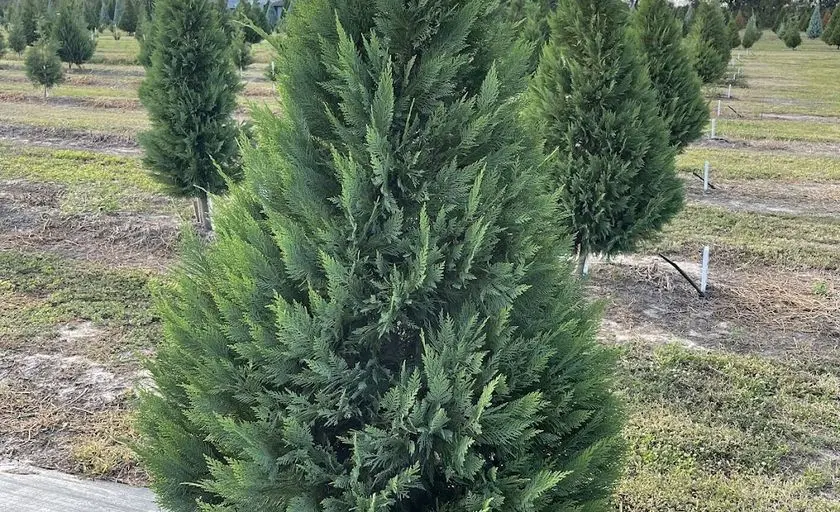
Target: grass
(720,432)
(42,292)
(761,165)
(761,129)
(122,122)
(744,238)
(93,182)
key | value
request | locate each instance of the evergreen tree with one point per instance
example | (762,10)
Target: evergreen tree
(104,15)
(26,17)
(43,67)
(75,44)
(831,33)
(803,19)
(119,8)
(17,36)
(815,26)
(128,19)
(676,84)
(384,321)
(826,19)
(532,18)
(752,34)
(734,34)
(190,95)
(709,43)
(740,20)
(92,14)
(593,100)
(252,14)
(145,38)
(2,45)
(241,50)
(791,35)
(688,19)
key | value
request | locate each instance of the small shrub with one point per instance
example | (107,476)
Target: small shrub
(43,67)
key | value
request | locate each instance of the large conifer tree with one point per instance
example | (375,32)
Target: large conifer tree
(75,44)
(831,33)
(752,34)
(593,99)
(190,93)
(384,321)
(708,42)
(815,27)
(677,86)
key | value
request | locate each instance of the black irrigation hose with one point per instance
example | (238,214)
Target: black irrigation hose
(690,281)
(733,110)
(701,179)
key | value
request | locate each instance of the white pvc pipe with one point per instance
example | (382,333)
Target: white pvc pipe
(706,177)
(704,270)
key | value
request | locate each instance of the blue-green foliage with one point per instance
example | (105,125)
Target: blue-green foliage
(385,319)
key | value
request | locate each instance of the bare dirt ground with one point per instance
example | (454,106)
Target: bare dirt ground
(768,196)
(63,138)
(30,218)
(767,312)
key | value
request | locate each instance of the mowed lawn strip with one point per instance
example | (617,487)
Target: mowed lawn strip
(760,165)
(746,238)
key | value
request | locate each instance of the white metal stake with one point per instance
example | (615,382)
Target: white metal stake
(704,270)
(714,127)
(706,177)
(729,94)
(718,110)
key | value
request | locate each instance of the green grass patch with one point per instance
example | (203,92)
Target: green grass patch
(740,238)
(122,122)
(754,165)
(47,291)
(720,432)
(94,182)
(778,130)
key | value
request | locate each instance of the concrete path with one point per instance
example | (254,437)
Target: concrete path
(28,489)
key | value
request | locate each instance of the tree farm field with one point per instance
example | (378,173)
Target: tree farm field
(732,400)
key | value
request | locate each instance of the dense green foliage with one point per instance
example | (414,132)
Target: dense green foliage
(752,34)
(831,33)
(688,19)
(145,35)
(791,35)
(25,21)
(190,94)
(43,67)
(2,45)
(734,34)
(676,84)
(532,19)
(386,319)
(593,100)
(250,14)
(75,44)
(709,43)
(740,20)
(104,15)
(17,37)
(815,27)
(129,18)
(241,50)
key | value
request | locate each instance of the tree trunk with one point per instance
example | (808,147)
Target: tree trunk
(45,92)
(203,212)
(582,269)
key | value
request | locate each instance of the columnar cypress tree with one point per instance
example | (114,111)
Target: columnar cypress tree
(119,8)
(791,35)
(128,19)
(104,14)
(815,27)
(734,35)
(688,19)
(740,20)
(709,43)
(676,84)
(752,34)
(43,68)
(190,94)
(17,36)
(26,17)
(75,44)
(384,321)
(826,19)
(2,45)
(831,33)
(593,100)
